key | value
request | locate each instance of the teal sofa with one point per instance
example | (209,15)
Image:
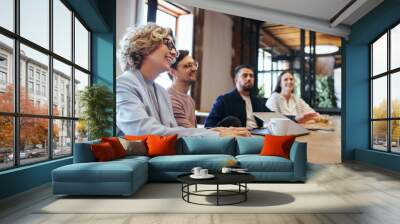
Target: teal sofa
(125,176)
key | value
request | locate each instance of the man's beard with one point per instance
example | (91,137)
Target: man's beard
(247,88)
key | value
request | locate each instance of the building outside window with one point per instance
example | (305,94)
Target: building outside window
(384,92)
(37,74)
(43,90)
(3,72)
(30,87)
(30,72)
(33,77)
(38,89)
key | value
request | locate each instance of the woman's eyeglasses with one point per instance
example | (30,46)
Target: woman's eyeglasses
(170,45)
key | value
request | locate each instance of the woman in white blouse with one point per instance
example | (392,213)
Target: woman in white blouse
(285,102)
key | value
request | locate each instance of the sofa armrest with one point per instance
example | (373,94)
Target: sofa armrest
(298,155)
(83,152)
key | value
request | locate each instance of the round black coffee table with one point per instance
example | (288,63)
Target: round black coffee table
(238,179)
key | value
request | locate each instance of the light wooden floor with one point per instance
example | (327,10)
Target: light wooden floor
(379,189)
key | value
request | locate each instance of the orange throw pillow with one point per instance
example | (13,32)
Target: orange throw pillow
(136,137)
(103,152)
(277,145)
(116,145)
(161,145)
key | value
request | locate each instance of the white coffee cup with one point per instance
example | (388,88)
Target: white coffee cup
(203,172)
(279,126)
(226,170)
(196,170)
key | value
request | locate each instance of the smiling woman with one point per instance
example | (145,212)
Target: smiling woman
(144,107)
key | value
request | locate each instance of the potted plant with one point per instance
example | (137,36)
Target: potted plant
(97,103)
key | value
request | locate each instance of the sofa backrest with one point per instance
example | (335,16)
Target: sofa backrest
(195,145)
(83,153)
(192,145)
(246,145)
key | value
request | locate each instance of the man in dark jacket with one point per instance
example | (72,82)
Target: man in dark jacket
(236,108)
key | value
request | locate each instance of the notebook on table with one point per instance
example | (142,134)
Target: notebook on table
(294,128)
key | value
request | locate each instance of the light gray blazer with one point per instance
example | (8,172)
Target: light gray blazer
(136,115)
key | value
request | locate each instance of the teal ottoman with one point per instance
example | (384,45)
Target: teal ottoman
(118,177)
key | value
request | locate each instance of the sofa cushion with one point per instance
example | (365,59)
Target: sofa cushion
(185,163)
(277,145)
(197,145)
(161,145)
(103,152)
(257,163)
(136,137)
(134,147)
(118,177)
(116,145)
(249,145)
(129,159)
(97,172)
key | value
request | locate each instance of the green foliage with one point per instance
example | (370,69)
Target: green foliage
(97,103)
(325,92)
(261,91)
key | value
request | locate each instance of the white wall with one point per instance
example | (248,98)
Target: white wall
(126,17)
(184,39)
(217,58)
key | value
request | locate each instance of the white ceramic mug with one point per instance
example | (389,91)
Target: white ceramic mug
(203,172)
(279,126)
(226,170)
(196,170)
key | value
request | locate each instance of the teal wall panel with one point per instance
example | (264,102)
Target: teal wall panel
(24,178)
(377,158)
(356,115)
(103,58)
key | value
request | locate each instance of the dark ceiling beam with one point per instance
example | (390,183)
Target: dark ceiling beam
(266,32)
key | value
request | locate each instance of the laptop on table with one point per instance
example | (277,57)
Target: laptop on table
(293,129)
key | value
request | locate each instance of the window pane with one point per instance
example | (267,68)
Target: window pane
(62,141)
(7,14)
(62,29)
(395,138)
(379,135)
(264,84)
(81,45)
(81,131)
(62,89)
(379,55)
(6,74)
(81,81)
(33,139)
(395,95)
(166,20)
(34,97)
(395,47)
(379,98)
(35,21)
(6,142)
(324,82)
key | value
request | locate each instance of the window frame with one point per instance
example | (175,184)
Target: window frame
(388,74)
(16,114)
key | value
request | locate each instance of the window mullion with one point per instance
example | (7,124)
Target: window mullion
(388,95)
(50,81)
(73,81)
(16,83)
